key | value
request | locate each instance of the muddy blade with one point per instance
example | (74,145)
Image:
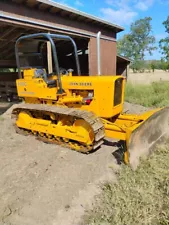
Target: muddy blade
(145,137)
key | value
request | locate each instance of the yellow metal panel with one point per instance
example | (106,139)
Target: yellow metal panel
(103,86)
(35,88)
(79,131)
(102,103)
(115,134)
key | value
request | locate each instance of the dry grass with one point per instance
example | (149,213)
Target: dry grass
(153,95)
(147,78)
(139,198)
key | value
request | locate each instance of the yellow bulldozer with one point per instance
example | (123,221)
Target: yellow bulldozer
(77,111)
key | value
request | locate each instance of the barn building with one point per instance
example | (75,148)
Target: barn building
(21,17)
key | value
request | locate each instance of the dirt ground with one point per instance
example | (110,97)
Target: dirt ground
(45,184)
(147,78)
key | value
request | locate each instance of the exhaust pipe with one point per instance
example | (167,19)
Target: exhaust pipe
(98,54)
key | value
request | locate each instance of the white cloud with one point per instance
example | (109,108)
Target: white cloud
(119,12)
(123,12)
(121,16)
(144,5)
(78,3)
(119,3)
(139,4)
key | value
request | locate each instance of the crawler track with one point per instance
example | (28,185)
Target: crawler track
(89,117)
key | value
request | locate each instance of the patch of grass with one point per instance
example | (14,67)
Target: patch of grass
(1,118)
(138,198)
(153,95)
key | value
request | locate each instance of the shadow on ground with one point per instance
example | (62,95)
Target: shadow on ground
(5,106)
(119,152)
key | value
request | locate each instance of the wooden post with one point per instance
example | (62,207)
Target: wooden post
(49,55)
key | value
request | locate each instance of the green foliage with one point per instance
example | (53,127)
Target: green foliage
(4,70)
(124,46)
(142,39)
(138,65)
(164,43)
(152,66)
(160,64)
(7,70)
(140,197)
(154,95)
(137,43)
(164,65)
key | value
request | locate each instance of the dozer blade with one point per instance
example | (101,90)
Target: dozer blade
(144,137)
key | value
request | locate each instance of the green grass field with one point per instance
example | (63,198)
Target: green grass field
(139,197)
(154,95)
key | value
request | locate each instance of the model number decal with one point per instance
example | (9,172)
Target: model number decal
(21,84)
(27,93)
(80,84)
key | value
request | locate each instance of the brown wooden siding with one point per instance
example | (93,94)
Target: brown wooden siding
(108,57)
(7,76)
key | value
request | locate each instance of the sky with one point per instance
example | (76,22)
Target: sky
(124,12)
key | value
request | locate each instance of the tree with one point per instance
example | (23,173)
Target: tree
(138,65)
(137,43)
(153,65)
(164,43)
(164,65)
(124,46)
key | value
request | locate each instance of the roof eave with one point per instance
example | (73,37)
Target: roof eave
(80,13)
